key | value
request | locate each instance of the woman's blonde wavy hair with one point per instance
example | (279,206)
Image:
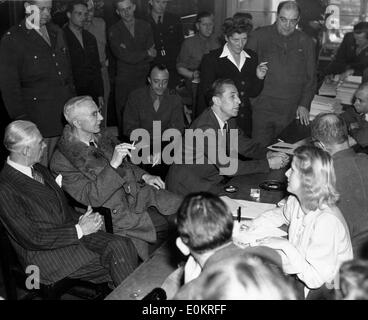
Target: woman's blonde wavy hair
(317,175)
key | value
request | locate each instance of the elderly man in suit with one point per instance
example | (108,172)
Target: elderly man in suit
(35,74)
(207,163)
(96,172)
(44,230)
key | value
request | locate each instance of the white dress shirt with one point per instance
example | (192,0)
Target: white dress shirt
(227,54)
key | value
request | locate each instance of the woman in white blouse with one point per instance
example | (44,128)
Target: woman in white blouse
(318,237)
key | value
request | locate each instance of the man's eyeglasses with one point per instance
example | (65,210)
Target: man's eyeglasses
(294,22)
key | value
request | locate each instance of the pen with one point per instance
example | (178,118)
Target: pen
(280,147)
(239,214)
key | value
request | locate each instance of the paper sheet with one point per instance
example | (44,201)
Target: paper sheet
(245,237)
(287,148)
(249,209)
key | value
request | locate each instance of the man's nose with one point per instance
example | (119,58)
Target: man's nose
(100,117)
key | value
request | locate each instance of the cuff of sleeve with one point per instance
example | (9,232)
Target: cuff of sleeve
(79,231)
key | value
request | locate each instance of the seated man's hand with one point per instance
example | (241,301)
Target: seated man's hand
(120,152)
(153,181)
(90,222)
(302,114)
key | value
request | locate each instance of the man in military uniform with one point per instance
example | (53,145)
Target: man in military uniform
(35,74)
(168,36)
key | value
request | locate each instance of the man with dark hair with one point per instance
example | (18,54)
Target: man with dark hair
(131,41)
(84,55)
(205,228)
(193,49)
(290,84)
(168,35)
(35,75)
(352,55)
(44,230)
(330,132)
(203,165)
(357,118)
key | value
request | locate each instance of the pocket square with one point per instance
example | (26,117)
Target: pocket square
(59,180)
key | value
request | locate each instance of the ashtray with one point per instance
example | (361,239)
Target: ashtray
(231,189)
(272,185)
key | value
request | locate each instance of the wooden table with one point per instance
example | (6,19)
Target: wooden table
(153,272)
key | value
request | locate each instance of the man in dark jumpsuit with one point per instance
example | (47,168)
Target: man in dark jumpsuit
(35,74)
(168,35)
(290,84)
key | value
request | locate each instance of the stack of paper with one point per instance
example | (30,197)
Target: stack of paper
(346,91)
(328,88)
(249,209)
(324,105)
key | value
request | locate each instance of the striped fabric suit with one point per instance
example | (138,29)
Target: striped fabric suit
(42,230)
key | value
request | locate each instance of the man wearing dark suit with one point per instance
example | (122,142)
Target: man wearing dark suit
(352,55)
(131,42)
(44,230)
(84,55)
(154,103)
(201,166)
(168,35)
(330,132)
(357,118)
(96,171)
(35,74)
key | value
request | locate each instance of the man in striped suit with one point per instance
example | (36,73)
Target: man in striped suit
(44,230)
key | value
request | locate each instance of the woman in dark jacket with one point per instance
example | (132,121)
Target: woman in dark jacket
(233,62)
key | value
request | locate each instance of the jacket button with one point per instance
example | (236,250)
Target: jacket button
(243,83)
(53,54)
(34,98)
(56,64)
(242,93)
(114,211)
(59,73)
(35,57)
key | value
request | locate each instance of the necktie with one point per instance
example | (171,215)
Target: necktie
(156,103)
(37,176)
(227,139)
(159,20)
(45,35)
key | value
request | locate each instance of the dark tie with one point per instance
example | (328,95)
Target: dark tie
(37,176)
(159,21)
(92,144)
(227,138)
(156,103)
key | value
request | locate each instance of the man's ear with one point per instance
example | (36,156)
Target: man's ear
(25,151)
(68,14)
(76,124)
(216,100)
(182,247)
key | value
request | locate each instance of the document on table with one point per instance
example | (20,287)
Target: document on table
(287,148)
(244,237)
(249,209)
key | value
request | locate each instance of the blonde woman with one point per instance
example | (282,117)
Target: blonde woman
(318,238)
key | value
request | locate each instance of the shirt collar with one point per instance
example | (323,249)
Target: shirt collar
(23,169)
(227,54)
(220,122)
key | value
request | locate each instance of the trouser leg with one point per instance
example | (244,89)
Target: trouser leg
(117,254)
